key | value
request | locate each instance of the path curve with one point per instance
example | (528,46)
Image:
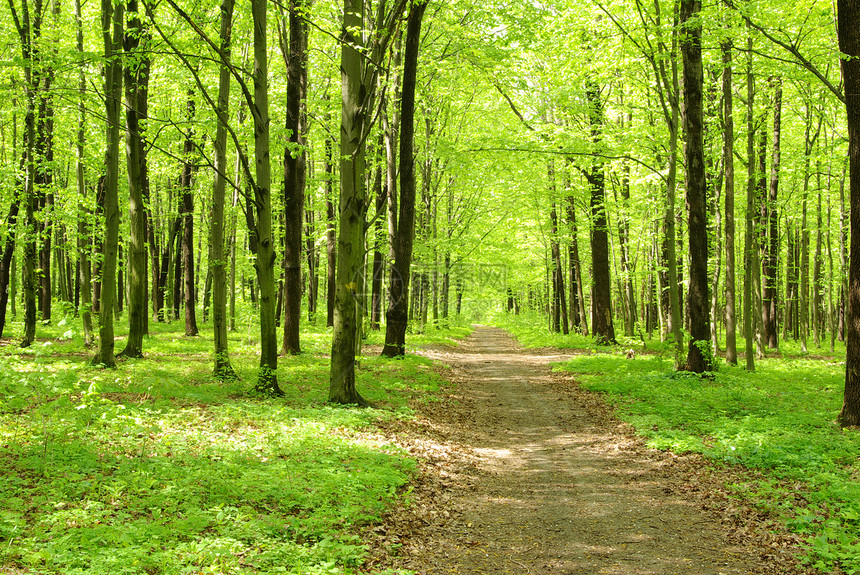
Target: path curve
(538,478)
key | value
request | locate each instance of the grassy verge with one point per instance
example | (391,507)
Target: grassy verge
(778,419)
(156,467)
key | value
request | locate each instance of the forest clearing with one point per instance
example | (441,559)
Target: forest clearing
(249,250)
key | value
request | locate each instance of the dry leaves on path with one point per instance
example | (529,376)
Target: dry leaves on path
(522,471)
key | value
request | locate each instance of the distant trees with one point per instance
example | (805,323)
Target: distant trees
(434,198)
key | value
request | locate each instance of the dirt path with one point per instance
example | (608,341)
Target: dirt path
(525,473)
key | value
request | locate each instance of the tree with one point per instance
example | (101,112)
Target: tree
(699,358)
(848,14)
(261,204)
(601,313)
(112,28)
(258,209)
(136,73)
(295,55)
(186,215)
(729,168)
(217,255)
(397,316)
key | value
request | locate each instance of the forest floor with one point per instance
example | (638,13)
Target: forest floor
(522,472)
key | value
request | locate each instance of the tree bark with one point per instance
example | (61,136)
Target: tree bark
(771,270)
(378,269)
(8,252)
(750,245)
(626,261)
(217,257)
(699,356)
(352,208)
(817,281)
(187,214)
(849,44)
(136,91)
(397,317)
(263,238)
(601,315)
(295,54)
(110,200)
(331,233)
(729,169)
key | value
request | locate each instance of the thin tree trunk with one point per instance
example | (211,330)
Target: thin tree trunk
(187,214)
(263,238)
(217,260)
(312,254)
(577,296)
(763,308)
(110,200)
(295,54)
(729,169)
(331,234)
(626,263)
(772,269)
(136,89)
(378,260)
(8,252)
(750,244)
(843,258)
(817,280)
(397,316)
(601,315)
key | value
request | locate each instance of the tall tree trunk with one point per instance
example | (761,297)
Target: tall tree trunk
(352,208)
(762,311)
(110,200)
(849,44)
(8,252)
(771,271)
(699,358)
(217,258)
(729,169)
(378,269)
(187,214)
(626,261)
(136,91)
(261,231)
(750,244)
(44,172)
(560,321)
(312,255)
(358,83)
(810,138)
(295,53)
(577,296)
(397,317)
(843,259)
(331,234)
(601,315)
(234,231)
(29,33)
(817,280)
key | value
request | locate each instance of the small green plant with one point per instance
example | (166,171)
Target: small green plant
(159,467)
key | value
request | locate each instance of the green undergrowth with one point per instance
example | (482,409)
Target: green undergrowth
(157,467)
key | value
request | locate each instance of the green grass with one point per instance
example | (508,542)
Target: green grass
(157,467)
(779,420)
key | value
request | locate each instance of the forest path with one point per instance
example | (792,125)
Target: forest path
(526,473)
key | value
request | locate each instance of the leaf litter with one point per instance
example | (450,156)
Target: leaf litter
(522,471)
